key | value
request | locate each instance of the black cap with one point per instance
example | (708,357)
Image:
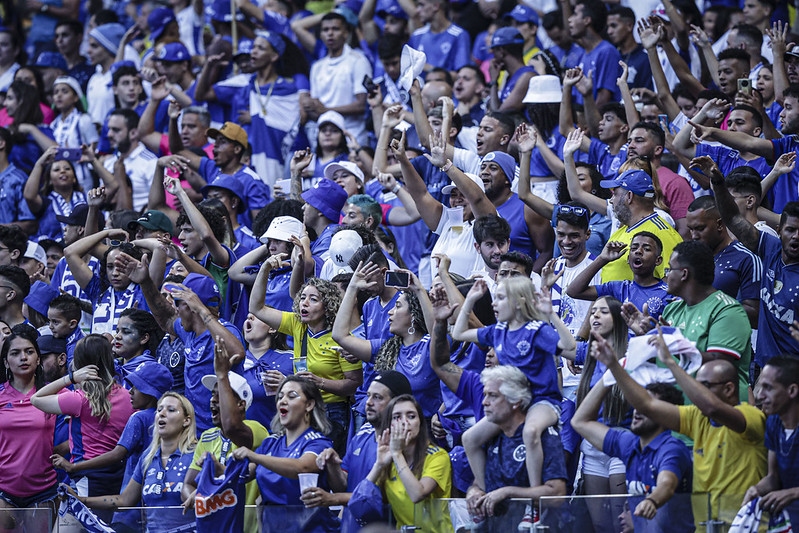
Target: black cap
(394,381)
(77,218)
(49,344)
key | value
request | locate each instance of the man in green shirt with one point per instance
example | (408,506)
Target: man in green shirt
(716,322)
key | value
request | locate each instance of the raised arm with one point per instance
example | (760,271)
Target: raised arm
(399,216)
(526,139)
(630,111)
(585,418)
(231,415)
(580,287)
(743,230)
(448,372)
(429,208)
(594,203)
(371,32)
(784,165)
(34,181)
(204,90)
(742,142)
(480,203)
(712,112)
(138,272)
(271,316)
(46,398)
(667,414)
(219,255)
(649,39)
(390,118)
(253,257)
(75,252)
(461,331)
(779,39)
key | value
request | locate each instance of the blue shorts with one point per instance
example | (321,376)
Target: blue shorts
(46,495)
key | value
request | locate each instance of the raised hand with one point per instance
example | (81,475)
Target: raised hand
(543,301)
(300,161)
(176,163)
(638,321)
(363,276)
(573,143)
(388,181)
(438,150)
(169,248)
(383,455)
(526,138)
(716,109)
(778,34)
(276,262)
(613,250)
(477,291)
(705,165)
(649,35)
(173,110)
(664,355)
(96,197)
(785,163)
(137,271)
(602,351)
(442,310)
(548,276)
(392,116)
(572,76)
(444,263)
(585,85)
(160,88)
(87,155)
(172,185)
(398,148)
(700,133)
(698,36)
(625,72)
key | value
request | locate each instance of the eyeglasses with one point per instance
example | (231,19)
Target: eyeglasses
(667,270)
(577,210)
(710,384)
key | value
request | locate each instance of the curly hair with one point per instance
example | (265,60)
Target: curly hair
(386,358)
(330,294)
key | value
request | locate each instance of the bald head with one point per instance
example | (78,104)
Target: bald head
(434,90)
(717,375)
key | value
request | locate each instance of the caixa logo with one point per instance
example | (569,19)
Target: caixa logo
(207,505)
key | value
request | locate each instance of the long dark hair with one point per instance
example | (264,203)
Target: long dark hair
(422,439)
(596,189)
(38,376)
(386,358)
(319,420)
(47,186)
(28,110)
(145,324)
(544,117)
(125,247)
(615,407)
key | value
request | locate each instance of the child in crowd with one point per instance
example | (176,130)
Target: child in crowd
(63,316)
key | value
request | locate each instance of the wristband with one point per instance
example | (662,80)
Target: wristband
(653,502)
(446,166)
(396,188)
(71,376)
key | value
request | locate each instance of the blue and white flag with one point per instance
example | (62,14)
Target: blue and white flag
(71,505)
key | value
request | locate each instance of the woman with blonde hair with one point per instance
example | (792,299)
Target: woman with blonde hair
(99,409)
(158,478)
(523,337)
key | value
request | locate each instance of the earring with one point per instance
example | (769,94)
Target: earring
(411,330)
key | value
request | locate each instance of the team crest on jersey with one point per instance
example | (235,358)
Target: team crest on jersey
(523,346)
(414,361)
(777,286)
(520,453)
(446,47)
(654,304)
(174,360)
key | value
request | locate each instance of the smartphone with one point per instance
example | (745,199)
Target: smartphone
(745,86)
(285,186)
(68,154)
(369,85)
(397,279)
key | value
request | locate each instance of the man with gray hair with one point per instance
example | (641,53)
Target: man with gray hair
(507,396)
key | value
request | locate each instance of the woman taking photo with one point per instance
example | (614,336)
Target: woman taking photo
(99,410)
(408,469)
(26,433)
(298,437)
(158,477)
(315,354)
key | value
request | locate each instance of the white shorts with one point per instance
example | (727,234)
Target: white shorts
(596,463)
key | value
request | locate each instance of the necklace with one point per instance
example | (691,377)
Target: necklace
(264,103)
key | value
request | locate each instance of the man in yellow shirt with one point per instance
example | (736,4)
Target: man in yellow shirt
(729,451)
(633,203)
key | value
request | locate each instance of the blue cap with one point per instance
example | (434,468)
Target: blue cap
(328,197)
(151,378)
(522,13)
(40,296)
(219,10)
(49,344)
(174,52)
(394,10)
(636,181)
(158,20)
(203,286)
(109,36)
(505,162)
(349,10)
(231,184)
(506,36)
(51,60)
(274,39)
(244,48)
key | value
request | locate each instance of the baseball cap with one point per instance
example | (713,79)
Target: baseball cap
(793,51)
(152,220)
(349,166)
(274,39)
(237,383)
(328,197)
(158,20)
(230,130)
(40,296)
(244,48)
(174,52)
(393,10)
(219,10)
(394,381)
(282,229)
(505,162)
(77,217)
(505,36)
(203,286)
(660,12)
(35,251)
(72,83)
(332,117)
(544,89)
(634,180)
(231,184)
(523,13)
(447,189)
(49,344)
(51,60)
(151,378)
(343,246)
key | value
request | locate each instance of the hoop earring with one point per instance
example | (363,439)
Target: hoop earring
(411,330)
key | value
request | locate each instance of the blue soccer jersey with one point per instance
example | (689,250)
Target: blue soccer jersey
(655,296)
(161,486)
(738,272)
(779,290)
(602,64)
(786,187)
(449,49)
(375,317)
(219,505)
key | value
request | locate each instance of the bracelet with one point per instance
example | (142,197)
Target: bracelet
(446,166)
(653,502)
(396,188)
(71,376)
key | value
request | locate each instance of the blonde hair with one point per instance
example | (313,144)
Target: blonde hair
(642,163)
(188,437)
(521,293)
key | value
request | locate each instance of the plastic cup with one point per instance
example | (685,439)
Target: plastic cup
(270,391)
(300,364)
(308,480)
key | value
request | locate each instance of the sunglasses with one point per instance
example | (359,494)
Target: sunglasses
(577,210)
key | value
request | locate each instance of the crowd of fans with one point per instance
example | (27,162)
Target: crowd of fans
(436,249)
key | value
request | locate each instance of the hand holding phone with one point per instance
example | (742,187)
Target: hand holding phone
(68,154)
(398,279)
